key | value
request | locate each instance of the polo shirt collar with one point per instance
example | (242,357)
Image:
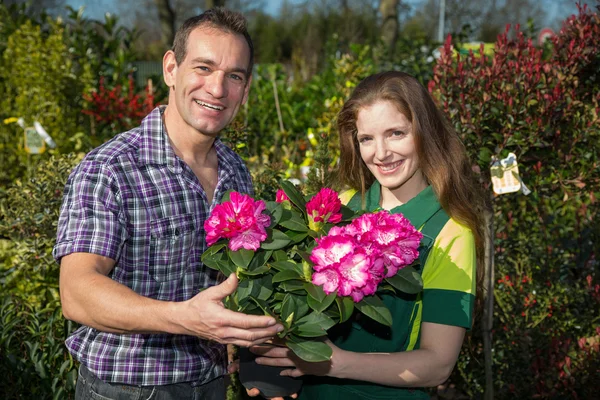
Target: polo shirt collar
(417,210)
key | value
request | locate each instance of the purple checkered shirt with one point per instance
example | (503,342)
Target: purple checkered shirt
(134,201)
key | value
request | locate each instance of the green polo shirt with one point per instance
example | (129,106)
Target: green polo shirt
(447,253)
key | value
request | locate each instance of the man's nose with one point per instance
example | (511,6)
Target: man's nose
(215,84)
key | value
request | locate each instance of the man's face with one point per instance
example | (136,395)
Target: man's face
(211,83)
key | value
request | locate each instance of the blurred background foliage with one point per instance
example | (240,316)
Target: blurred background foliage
(86,80)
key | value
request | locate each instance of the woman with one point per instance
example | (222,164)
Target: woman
(399,153)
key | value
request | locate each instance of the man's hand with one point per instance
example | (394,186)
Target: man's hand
(204,315)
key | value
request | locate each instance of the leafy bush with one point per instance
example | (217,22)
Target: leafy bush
(545,110)
(33,359)
(36,70)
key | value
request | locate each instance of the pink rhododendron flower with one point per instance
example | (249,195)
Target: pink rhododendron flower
(241,220)
(331,250)
(355,258)
(280,197)
(324,207)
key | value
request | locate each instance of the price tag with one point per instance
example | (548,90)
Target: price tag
(34,143)
(505,176)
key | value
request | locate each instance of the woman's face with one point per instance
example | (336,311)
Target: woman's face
(387,147)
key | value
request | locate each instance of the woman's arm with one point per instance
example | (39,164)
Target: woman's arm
(427,366)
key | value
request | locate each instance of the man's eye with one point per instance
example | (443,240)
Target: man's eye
(236,77)
(203,68)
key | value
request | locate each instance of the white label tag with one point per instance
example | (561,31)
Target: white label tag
(34,143)
(505,176)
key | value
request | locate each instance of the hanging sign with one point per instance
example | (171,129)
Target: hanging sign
(34,143)
(36,137)
(505,176)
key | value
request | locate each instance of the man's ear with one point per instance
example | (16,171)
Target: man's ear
(169,68)
(247,90)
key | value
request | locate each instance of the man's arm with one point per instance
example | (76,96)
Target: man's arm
(91,298)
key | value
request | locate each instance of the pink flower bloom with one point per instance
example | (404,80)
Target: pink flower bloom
(355,258)
(331,250)
(324,207)
(329,279)
(241,220)
(280,197)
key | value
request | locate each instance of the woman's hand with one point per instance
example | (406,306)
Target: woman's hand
(277,356)
(234,366)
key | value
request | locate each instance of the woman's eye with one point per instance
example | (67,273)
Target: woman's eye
(363,139)
(398,133)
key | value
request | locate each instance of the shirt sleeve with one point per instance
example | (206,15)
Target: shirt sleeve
(449,277)
(90,219)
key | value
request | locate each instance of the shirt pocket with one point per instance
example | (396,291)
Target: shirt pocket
(171,241)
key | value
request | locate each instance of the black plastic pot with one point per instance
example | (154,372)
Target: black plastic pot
(265,378)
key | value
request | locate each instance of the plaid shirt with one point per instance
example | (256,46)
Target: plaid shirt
(134,201)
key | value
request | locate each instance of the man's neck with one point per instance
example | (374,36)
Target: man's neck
(191,146)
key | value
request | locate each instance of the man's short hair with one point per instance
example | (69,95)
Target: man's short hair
(219,18)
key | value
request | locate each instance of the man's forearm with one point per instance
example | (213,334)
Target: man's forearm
(95,300)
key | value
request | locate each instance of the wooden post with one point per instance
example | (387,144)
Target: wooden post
(488,305)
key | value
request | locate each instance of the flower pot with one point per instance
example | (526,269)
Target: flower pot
(265,378)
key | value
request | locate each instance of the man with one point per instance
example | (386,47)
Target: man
(130,233)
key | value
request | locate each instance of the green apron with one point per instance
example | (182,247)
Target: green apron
(361,334)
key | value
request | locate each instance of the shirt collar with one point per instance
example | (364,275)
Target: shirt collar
(417,210)
(155,147)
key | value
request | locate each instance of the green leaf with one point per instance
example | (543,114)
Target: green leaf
(313,325)
(293,303)
(261,288)
(314,291)
(373,307)
(241,257)
(276,212)
(211,256)
(287,266)
(347,213)
(221,262)
(260,259)
(276,240)
(296,237)
(345,306)
(317,299)
(310,350)
(292,286)
(254,271)
(407,280)
(320,306)
(262,304)
(293,220)
(286,275)
(280,255)
(294,195)
(226,196)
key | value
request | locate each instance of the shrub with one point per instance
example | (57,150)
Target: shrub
(545,110)
(33,359)
(37,76)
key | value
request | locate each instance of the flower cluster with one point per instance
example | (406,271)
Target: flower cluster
(310,263)
(354,259)
(240,220)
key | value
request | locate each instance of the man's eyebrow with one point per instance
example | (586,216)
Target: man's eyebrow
(208,61)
